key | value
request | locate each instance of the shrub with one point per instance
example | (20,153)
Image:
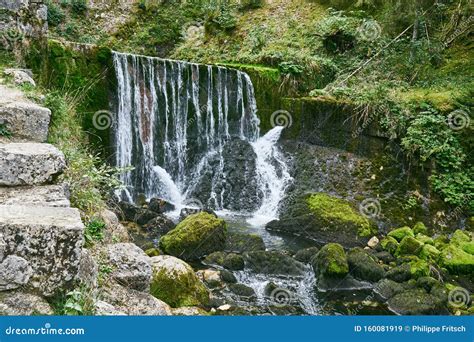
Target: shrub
(55,14)
(251,4)
(79,6)
(94,232)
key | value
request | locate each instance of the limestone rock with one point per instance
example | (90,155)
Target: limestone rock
(105,309)
(29,163)
(21,76)
(23,304)
(14,272)
(23,118)
(114,230)
(49,238)
(47,195)
(131,266)
(133,302)
(88,269)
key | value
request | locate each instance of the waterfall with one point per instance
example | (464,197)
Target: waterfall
(191,132)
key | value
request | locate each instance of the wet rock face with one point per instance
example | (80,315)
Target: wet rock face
(40,235)
(239,187)
(273,262)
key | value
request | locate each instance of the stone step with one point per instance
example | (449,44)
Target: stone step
(46,195)
(21,117)
(29,164)
(40,247)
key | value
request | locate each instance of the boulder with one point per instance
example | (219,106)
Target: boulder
(331,261)
(409,246)
(105,309)
(430,253)
(399,233)
(19,303)
(227,277)
(234,262)
(417,302)
(363,266)
(211,278)
(273,262)
(134,303)
(305,255)
(114,231)
(326,219)
(50,239)
(196,236)
(400,273)
(456,260)
(389,244)
(46,195)
(188,311)
(242,290)
(21,76)
(14,272)
(158,226)
(175,282)
(240,243)
(29,164)
(160,206)
(131,266)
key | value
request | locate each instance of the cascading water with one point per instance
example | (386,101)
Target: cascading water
(192,134)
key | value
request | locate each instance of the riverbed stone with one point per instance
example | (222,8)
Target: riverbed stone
(456,260)
(18,303)
(363,266)
(196,236)
(175,282)
(131,266)
(50,239)
(273,262)
(305,255)
(417,302)
(158,226)
(331,261)
(29,163)
(240,243)
(326,219)
(409,246)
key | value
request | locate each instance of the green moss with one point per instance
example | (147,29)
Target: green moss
(420,228)
(331,261)
(196,236)
(429,252)
(389,244)
(459,237)
(468,247)
(424,239)
(336,211)
(151,252)
(419,268)
(409,245)
(457,261)
(400,233)
(441,241)
(179,289)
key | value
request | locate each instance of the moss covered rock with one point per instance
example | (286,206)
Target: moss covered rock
(456,260)
(429,252)
(331,261)
(419,268)
(234,262)
(459,237)
(409,245)
(389,244)
(305,255)
(424,239)
(240,243)
(196,236)
(273,262)
(417,302)
(420,228)
(363,266)
(175,283)
(399,233)
(326,219)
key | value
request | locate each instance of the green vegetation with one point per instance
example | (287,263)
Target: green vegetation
(94,232)
(78,302)
(336,211)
